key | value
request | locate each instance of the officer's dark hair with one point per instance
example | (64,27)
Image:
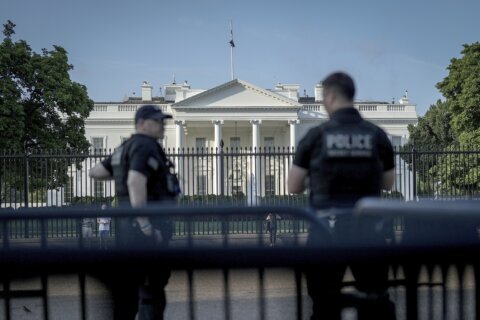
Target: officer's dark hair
(342,83)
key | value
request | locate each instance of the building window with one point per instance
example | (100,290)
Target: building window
(98,186)
(69,190)
(200,143)
(269,142)
(235,143)
(237,190)
(97,144)
(98,189)
(270,185)
(202,185)
(236,173)
(396,142)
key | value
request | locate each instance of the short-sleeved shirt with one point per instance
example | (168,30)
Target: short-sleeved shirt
(345,158)
(103,223)
(144,154)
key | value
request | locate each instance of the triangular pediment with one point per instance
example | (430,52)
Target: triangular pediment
(237,94)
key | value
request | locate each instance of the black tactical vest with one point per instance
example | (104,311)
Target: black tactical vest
(120,170)
(345,165)
(156,183)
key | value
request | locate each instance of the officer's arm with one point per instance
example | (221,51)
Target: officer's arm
(388,179)
(137,191)
(99,172)
(137,188)
(297,178)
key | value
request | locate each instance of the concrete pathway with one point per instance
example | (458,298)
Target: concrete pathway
(209,297)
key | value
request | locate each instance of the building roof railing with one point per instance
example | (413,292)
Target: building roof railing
(366,107)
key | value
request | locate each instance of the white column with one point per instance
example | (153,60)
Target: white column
(254,187)
(293,132)
(217,165)
(179,124)
(256,133)
(178,159)
(218,132)
(293,137)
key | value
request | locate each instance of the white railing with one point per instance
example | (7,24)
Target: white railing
(307,107)
(127,107)
(361,107)
(313,107)
(395,107)
(100,108)
(367,107)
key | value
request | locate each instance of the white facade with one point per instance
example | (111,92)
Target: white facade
(237,109)
(239,114)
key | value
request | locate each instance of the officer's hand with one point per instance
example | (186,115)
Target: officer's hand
(157,235)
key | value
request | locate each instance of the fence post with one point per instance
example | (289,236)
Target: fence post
(414,169)
(25,190)
(25,179)
(222,188)
(222,178)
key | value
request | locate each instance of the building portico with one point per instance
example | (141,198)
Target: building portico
(234,134)
(240,114)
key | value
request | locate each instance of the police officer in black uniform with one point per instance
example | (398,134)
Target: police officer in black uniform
(343,160)
(142,175)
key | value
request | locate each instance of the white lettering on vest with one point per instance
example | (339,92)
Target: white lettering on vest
(349,141)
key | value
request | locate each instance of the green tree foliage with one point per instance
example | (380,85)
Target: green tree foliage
(41,108)
(433,131)
(461,88)
(460,171)
(452,128)
(457,173)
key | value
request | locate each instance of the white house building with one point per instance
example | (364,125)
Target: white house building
(236,114)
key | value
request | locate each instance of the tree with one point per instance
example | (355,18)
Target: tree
(433,131)
(451,127)
(41,108)
(461,88)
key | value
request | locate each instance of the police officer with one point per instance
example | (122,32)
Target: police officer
(343,160)
(142,175)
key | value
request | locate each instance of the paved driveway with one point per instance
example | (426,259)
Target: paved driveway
(279,302)
(64,302)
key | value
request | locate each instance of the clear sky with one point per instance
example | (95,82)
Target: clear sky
(389,46)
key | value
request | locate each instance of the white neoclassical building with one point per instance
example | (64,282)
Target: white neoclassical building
(239,113)
(236,115)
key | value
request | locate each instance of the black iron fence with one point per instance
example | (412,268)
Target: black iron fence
(208,177)
(240,176)
(433,267)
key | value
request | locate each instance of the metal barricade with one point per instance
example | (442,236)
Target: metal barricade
(420,272)
(435,259)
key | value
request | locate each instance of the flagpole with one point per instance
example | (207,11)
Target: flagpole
(232,45)
(231,62)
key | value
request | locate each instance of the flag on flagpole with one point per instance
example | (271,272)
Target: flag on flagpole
(232,44)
